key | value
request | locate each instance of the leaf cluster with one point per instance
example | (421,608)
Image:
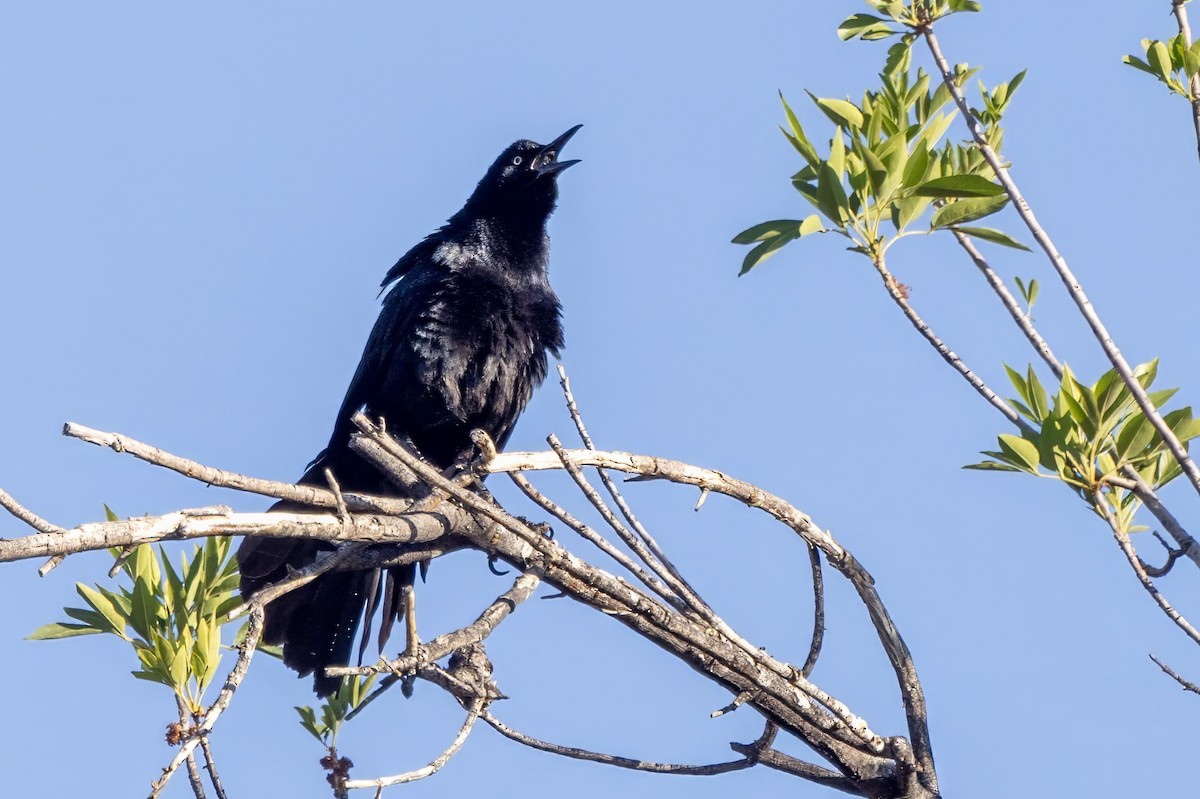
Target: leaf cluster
(325,725)
(171,618)
(888,163)
(912,15)
(1173,62)
(1087,435)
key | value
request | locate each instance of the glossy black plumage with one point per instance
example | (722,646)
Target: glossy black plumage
(460,343)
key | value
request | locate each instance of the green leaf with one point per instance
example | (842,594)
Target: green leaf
(864,25)
(1135,436)
(1020,451)
(308,720)
(959,186)
(109,516)
(840,112)
(1191,61)
(49,632)
(144,609)
(917,166)
(1160,59)
(992,235)
(1138,63)
(964,5)
(88,617)
(103,604)
(967,210)
(832,196)
(897,57)
(764,250)
(992,466)
(1037,396)
(797,137)
(766,230)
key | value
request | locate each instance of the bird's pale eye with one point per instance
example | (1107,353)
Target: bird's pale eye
(517,160)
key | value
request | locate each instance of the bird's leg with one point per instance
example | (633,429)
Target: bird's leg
(412,640)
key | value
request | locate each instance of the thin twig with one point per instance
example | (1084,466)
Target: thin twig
(775,759)
(1187,685)
(818,633)
(1172,555)
(434,766)
(1073,286)
(590,535)
(609,485)
(663,568)
(949,356)
(1022,319)
(193,771)
(211,765)
(245,653)
(1181,17)
(1122,538)
(613,760)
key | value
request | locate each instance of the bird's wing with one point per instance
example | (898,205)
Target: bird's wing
(421,254)
(401,309)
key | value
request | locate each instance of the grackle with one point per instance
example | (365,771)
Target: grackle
(460,343)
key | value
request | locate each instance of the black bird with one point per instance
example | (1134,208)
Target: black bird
(460,344)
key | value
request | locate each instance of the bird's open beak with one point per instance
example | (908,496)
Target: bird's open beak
(548,155)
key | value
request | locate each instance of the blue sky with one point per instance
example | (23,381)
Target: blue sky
(198,206)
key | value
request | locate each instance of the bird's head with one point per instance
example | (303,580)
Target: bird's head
(524,176)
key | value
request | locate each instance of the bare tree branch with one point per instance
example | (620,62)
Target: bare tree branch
(452,517)
(707,653)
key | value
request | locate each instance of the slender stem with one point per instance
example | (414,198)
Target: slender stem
(610,486)
(434,766)
(898,296)
(1187,685)
(1135,563)
(1074,287)
(1181,17)
(211,765)
(193,771)
(615,760)
(1019,316)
